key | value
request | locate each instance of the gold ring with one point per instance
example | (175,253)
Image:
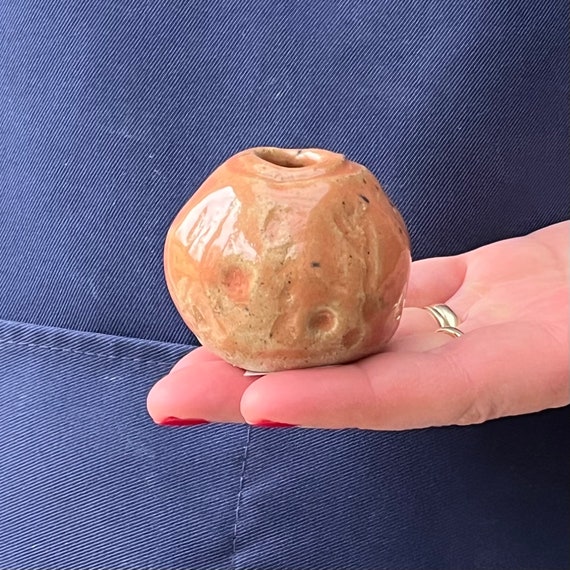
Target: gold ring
(453,331)
(444,316)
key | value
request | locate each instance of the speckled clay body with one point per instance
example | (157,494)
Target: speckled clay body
(288,259)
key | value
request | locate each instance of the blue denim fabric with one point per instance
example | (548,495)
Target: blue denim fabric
(89,482)
(111,114)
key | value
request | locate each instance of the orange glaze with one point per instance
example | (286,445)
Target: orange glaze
(289,258)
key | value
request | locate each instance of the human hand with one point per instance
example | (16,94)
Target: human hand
(512,298)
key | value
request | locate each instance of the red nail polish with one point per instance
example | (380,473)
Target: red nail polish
(173,421)
(269,423)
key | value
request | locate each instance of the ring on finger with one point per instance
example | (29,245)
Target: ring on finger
(444,315)
(452,331)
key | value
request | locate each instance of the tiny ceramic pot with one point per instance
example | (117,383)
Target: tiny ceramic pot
(289,259)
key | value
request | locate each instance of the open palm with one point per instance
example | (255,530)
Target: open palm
(512,300)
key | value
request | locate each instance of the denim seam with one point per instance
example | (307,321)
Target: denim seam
(86,353)
(239,497)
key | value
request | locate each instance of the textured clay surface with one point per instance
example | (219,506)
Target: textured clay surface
(289,259)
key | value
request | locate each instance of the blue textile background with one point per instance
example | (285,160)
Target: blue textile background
(88,481)
(111,114)
(114,112)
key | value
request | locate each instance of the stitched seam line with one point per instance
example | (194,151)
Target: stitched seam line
(86,353)
(239,496)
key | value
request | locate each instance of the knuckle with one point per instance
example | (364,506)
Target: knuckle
(476,412)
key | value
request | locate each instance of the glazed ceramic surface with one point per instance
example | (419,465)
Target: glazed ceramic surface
(287,259)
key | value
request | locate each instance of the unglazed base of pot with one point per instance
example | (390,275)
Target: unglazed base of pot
(289,259)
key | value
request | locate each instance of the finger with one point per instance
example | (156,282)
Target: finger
(419,342)
(198,354)
(483,375)
(435,280)
(432,281)
(390,391)
(414,321)
(209,390)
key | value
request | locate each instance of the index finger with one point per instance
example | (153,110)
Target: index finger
(435,280)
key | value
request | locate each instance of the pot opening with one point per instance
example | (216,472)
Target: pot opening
(287,158)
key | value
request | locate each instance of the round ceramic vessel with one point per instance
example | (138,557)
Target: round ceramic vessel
(288,258)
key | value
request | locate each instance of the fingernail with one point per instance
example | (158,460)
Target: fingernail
(269,423)
(173,421)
